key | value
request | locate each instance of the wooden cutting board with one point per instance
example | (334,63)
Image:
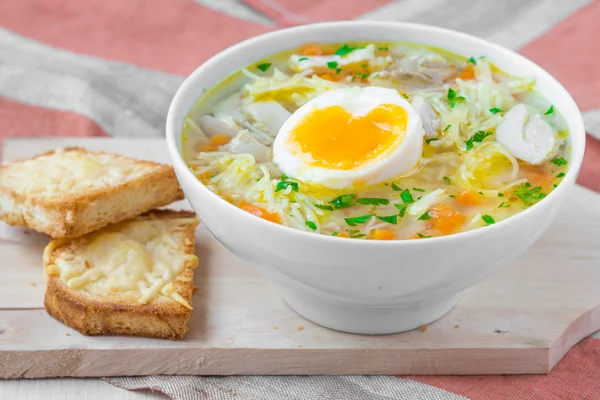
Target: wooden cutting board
(522,320)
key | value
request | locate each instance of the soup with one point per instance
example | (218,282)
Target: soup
(377,141)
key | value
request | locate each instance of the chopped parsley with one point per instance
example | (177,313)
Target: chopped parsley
(423,236)
(391,219)
(343,201)
(447,127)
(555,185)
(302,59)
(264,67)
(504,205)
(345,49)
(337,71)
(550,111)
(332,64)
(496,110)
(357,235)
(500,195)
(335,233)
(560,175)
(353,221)
(453,98)
(375,76)
(402,208)
(472,60)
(311,225)
(419,190)
(285,184)
(477,137)
(558,161)
(452,196)
(373,201)
(447,180)
(431,140)
(364,76)
(383,48)
(488,219)
(481,193)
(406,197)
(324,207)
(424,217)
(364,66)
(404,95)
(529,195)
(396,187)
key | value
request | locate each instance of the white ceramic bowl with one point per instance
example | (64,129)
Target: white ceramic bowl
(370,287)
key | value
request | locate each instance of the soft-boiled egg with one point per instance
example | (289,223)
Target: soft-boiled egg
(352,137)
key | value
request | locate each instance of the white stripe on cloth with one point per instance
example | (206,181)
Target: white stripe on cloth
(237,9)
(510,23)
(592,122)
(285,388)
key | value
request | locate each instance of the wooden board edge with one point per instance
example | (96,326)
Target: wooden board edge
(199,361)
(582,327)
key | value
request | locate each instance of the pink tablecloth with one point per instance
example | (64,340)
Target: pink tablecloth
(110,68)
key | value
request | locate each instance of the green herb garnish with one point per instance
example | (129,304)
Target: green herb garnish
(496,110)
(404,95)
(402,208)
(500,195)
(365,76)
(423,236)
(529,195)
(392,219)
(504,205)
(477,137)
(335,233)
(264,67)
(337,71)
(558,161)
(345,49)
(406,197)
(447,180)
(419,190)
(311,225)
(472,60)
(560,175)
(373,201)
(343,201)
(424,217)
(453,98)
(324,207)
(550,111)
(357,235)
(383,48)
(447,127)
(332,64)
(375,76)
(396,187)
(358,220)
(488,219)
(431,140)
(302,59)
(452,196)
(284,185)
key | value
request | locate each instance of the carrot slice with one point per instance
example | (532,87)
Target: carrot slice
(382,234)
(468,199)
(468,74)
(208,147)
(220,140)
(446,220)
(260,212)
(311,49)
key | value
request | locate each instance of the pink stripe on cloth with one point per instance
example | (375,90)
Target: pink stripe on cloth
(22,120)
(571,53)
(295,12)
(575,377)
(173,36)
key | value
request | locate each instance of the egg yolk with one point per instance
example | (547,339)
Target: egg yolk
(335,139)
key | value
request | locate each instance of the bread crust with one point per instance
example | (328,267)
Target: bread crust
(93,316)
(78,214)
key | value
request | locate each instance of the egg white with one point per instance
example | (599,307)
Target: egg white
(357,101)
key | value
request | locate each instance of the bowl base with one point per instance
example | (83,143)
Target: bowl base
(367,319)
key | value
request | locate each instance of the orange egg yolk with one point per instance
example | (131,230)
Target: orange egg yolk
(335,139)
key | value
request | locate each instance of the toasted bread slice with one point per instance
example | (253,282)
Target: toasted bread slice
(70,192)
(131,278)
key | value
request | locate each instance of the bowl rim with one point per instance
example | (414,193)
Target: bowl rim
(576,158)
